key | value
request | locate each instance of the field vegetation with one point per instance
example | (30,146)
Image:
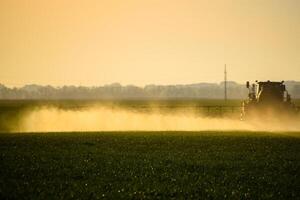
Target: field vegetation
(144,165)
(147,165)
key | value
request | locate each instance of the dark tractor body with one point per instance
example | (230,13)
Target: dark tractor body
(267,98)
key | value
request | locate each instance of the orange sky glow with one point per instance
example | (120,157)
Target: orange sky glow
(97,42)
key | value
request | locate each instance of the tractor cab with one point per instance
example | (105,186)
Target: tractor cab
(268,92)
(265,96)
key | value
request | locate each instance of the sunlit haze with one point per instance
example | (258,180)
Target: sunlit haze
(96,42)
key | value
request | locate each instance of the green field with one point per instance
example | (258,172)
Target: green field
(147,165)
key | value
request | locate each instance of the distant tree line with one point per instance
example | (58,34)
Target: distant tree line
(117,91)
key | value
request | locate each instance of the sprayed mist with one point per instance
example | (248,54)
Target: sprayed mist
(101,118)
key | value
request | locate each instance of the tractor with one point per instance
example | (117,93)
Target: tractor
(267,98)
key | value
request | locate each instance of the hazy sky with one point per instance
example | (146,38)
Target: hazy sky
(96,42)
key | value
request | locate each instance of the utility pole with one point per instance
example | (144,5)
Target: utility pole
(225,83)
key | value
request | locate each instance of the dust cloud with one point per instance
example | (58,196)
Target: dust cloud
(99,118)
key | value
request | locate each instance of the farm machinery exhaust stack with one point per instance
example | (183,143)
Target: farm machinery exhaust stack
(267,97)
